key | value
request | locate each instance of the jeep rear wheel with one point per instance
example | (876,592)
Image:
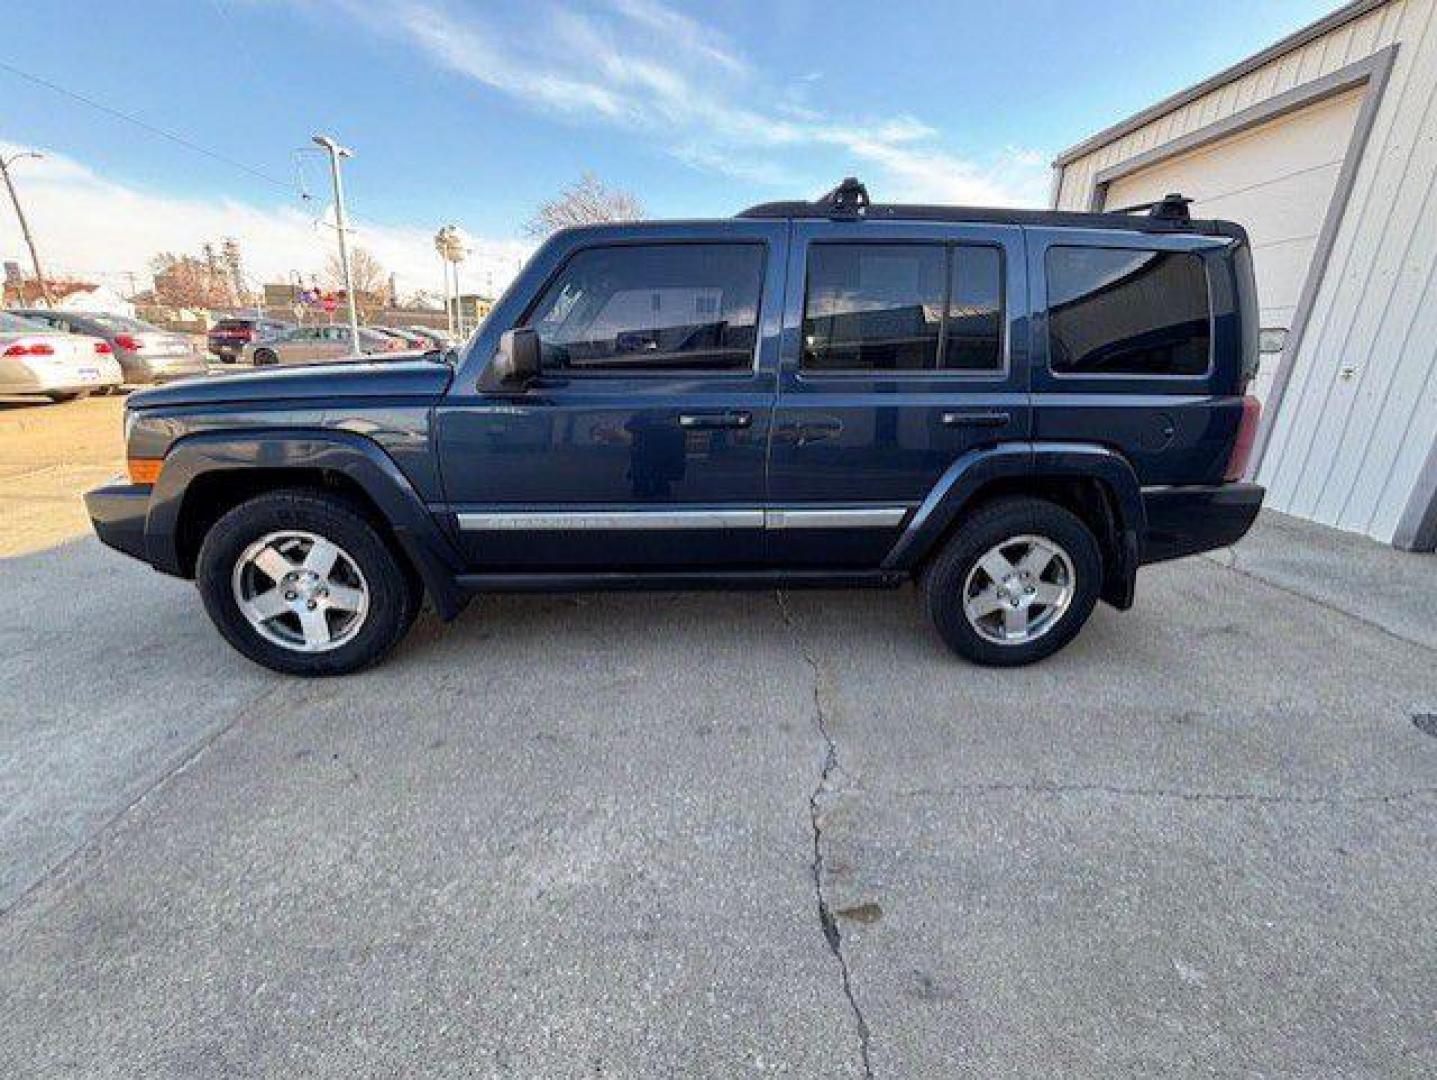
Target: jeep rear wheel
(1015,584)
(304,584)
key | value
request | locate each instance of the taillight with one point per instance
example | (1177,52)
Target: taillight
(38,348)
(128,341)
(103,348)
(1246,437)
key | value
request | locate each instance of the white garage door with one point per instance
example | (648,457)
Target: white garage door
(1276,180)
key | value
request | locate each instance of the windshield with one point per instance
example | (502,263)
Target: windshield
(121,324)
(14,324)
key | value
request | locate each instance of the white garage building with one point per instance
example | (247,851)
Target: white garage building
(1325,147)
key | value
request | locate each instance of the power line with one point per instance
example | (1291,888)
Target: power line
(161,132)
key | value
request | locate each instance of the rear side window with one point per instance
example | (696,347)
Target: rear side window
(973,332)
(902,307)
(657,306)
(1122,312)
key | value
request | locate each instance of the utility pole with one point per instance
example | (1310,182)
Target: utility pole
(25,225)
(335,153)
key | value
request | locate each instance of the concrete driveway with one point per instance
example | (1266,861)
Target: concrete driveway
(717,835)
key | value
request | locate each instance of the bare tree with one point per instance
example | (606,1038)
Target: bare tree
(370,279)
(233,263)
(189,282)
(587,202)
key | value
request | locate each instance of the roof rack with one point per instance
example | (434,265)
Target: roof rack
(1171,207)
(849,201)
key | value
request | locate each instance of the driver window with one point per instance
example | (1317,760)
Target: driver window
(656,306)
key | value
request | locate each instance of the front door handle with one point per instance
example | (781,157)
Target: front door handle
(713,421)
(976,419)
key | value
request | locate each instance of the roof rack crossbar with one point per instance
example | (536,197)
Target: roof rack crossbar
(1171,207)
(848,201)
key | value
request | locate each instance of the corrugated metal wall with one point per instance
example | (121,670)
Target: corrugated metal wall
(1359,419)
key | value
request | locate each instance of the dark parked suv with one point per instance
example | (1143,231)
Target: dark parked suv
(1016,408)
(228,337)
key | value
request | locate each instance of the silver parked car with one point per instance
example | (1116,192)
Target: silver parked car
(36,359)
(146,353)
(316,344)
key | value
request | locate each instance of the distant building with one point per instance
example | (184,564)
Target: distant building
(475,307)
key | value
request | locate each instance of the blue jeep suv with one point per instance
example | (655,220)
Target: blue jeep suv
(1015,408)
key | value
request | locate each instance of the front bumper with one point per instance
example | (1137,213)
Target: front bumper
(1187,520)
(117,512)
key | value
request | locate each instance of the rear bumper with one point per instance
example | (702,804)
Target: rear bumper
(161,369)
(118,512)
(1187,520)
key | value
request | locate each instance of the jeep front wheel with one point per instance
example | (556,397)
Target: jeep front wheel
(302,583)
(1015,584)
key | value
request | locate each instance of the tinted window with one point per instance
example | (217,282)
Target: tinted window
(14,324)
(873,307)
(656,306)
(971,340)
(1127,312)
(902,307)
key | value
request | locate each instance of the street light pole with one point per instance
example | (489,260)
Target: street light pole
(458,304)
(25,225)
(335,153)
(448,297)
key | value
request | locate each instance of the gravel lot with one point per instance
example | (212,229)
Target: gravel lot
(683,835)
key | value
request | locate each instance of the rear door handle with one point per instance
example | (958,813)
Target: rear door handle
(976,419)
(712,421)
(812,430)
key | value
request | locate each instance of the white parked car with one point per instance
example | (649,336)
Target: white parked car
(35,359)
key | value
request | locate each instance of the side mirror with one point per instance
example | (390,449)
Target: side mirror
(516,362)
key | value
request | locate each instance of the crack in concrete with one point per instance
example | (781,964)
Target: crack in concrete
(829,924)
(1040,788)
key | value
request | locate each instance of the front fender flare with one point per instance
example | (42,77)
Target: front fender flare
(355,457)
(965,479)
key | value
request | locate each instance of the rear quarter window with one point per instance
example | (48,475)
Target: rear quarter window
(1119,311)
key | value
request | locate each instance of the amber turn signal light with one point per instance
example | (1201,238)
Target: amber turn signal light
(144,470)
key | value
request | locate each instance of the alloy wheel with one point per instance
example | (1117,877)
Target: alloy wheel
(300,591)
(1019,590)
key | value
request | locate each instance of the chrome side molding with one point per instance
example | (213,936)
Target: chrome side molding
(864,517)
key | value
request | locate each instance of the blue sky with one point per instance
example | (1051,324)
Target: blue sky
(473,111)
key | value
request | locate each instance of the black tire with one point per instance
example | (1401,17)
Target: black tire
(394,595)
(265,357)
(1004,520)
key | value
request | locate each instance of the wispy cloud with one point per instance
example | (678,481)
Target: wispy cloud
(94,227)
(656,73)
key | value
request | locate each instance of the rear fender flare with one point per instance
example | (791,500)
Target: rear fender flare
(965,479)
(355,457)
